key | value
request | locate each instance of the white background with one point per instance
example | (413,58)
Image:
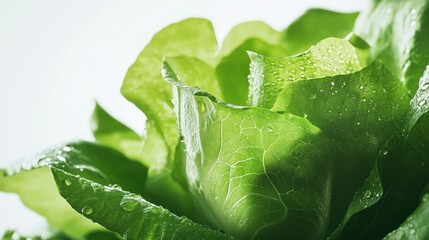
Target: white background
(57,57)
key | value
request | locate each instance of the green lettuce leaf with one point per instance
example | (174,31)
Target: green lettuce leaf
(32,181)
(269,75)
(405,168)
(143,84)
(315,25)
(415,227)
(144,87)
(106,187)
(359,112)
(310,28)
(398,31)
(233,66)
(111,133)
(254,173)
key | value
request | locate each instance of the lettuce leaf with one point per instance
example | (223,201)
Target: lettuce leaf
(307,30)
(250,169)
(32,180)
(269,75)
(397,32)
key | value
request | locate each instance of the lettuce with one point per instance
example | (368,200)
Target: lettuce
(318,131)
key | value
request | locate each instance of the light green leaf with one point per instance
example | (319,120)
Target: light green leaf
(233,67)
(269,75)
(254,173)
(398,31)
(143,83)
(38,191)
(315,25)
(32,181)
(110,132)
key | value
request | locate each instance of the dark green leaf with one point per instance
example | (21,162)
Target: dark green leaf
(359,112)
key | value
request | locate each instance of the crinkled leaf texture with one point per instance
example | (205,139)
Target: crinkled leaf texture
(256,174)
(194,38)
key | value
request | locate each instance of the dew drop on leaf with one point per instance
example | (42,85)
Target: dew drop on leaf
(87,210)
(367,194)
(129,204)
(66,149)
(68,182)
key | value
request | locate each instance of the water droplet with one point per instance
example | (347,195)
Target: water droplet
(385,152)
(269,129)
(129,204)
(412,231)
(44,161)
(87,210)
(367,194)
(425,86)
(116,186)
(413,11)
(361,87)
(425,198)
(377,194)
(422,102)
(68,182)
(301,68)
(332,84)
(61,158)
(66,149)
(413,23)
(364,99)
(358,123)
